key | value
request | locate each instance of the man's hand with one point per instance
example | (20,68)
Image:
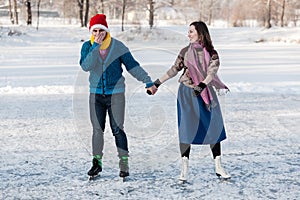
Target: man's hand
(99,37)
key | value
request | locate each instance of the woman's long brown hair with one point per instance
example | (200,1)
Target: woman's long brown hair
(204,36)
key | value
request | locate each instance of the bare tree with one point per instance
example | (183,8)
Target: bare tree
(201,9)
(208,9)
(123,13)
(38,14)
(102,6)
(268,15)
(261,11)
(16,11)
(86,17)
(10,12)
(29,13)
(83,14)
(154,5)
(292,11)
(151,12)
(80,5)
(68,13)
(282,13)
(236,12)
(211,9)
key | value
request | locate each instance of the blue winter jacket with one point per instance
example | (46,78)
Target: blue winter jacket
(106,75)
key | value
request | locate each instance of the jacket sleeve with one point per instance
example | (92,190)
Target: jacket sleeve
(134,68)
(173,71)
(89,56)
(213,67)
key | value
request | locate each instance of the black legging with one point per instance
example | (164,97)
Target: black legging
(186,148)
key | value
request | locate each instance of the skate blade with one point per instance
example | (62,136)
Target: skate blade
(182,181)
(223,178)
(124,178)
(92,178)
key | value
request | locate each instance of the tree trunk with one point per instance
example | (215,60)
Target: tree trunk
(201,10)
(29,14)
(38,15)
(123,13)
(151,13)
(16,11)
(87,8)
(102,6)
(210,14)
(282,13)
(268,15)
(11,15)
(80,4)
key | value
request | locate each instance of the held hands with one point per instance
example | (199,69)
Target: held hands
(153,89)
(199,88)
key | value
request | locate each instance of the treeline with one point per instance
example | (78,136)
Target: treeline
(265,13)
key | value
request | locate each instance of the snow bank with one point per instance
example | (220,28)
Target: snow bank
(39,90)
(237,34)
(236,87)
(262,87)
(278,34)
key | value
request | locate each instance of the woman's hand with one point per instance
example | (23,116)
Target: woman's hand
(199,88)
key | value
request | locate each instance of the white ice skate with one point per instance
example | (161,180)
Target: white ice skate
(184,170)
(220,172)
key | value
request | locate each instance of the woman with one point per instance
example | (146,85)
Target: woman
(199,115)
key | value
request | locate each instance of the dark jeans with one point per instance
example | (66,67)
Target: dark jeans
(114,105)
(186,148)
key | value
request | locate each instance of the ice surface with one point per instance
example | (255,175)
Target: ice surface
(45,129)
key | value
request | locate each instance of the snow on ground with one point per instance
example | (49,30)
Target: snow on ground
(45,129)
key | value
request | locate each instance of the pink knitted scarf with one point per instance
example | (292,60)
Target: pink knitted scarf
(198,71)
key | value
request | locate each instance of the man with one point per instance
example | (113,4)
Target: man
(102,56)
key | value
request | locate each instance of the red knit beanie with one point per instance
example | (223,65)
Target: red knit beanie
(98,21)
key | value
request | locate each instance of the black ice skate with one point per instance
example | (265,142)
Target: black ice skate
(96,169)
